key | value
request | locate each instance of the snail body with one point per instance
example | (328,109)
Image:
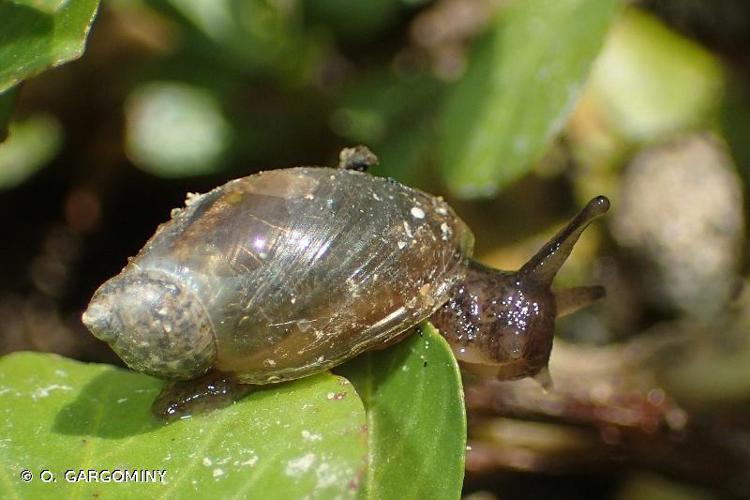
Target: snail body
(289,272)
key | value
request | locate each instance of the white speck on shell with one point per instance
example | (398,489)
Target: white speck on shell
(191,198)
(445,231)
(417,213)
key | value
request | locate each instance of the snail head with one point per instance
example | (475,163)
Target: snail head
(502,323)
(153,323)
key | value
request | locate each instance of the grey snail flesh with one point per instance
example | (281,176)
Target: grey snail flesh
(282,274)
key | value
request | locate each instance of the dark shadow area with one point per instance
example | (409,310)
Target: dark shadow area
(524,486)
(116,404)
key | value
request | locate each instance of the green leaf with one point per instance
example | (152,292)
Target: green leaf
(521,84)
(415,416)
(302,438)
(39,34)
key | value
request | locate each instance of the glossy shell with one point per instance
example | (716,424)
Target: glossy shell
(300,269)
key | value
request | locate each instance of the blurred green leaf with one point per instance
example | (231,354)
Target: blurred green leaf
(302,438)
(7,99)
(354,20)
(405,156)
(652,82)
(175,129)
(379,105)
(256,37)
(31,144)
(40,34)
(394,116)
(521,84)
(415,417)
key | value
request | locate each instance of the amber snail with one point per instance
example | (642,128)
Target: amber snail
(289,272)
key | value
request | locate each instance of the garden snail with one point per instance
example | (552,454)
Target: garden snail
(290,272)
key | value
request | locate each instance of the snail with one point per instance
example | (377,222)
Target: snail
(290,272)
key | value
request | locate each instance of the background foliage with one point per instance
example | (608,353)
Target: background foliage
(517,111)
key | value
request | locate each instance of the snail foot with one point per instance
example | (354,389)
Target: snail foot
(184,398)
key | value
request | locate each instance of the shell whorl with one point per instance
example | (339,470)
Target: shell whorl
(154,323)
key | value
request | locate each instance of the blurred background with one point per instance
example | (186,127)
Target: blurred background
(515,115)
